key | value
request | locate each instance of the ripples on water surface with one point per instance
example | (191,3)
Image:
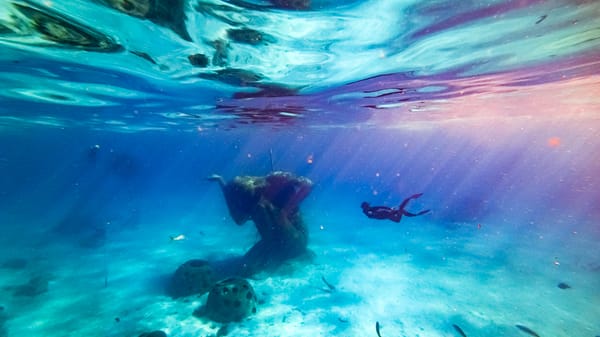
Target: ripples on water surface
(156,64)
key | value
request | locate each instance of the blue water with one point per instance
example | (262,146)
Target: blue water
(114,112)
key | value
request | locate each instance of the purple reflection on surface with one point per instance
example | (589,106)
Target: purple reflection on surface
(357,101)
(485,12)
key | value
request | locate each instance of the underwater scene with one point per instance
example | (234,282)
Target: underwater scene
(382,168)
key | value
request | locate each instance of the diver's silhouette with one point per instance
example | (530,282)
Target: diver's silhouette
(390,213)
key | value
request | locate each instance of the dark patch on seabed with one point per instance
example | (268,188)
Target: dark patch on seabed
(36,285)
(3,331)
(16,263)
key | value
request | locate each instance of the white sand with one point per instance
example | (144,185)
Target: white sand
(416,279)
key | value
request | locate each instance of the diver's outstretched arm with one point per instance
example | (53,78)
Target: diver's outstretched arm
(217,178)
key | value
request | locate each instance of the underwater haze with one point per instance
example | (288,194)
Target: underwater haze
(116,116)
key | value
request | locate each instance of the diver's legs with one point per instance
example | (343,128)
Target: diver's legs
(405,202)
(396,216)
(412,214)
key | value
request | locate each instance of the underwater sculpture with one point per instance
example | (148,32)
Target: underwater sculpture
(390,213)
(272,203)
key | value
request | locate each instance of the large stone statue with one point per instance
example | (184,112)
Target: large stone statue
(272,203)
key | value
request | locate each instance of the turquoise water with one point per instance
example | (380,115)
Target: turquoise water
(113,113)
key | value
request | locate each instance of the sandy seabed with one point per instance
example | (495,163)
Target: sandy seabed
(416,279)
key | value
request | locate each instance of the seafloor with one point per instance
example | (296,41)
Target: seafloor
(417,278)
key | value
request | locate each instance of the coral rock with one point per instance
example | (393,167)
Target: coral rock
(192,277)
(230,300)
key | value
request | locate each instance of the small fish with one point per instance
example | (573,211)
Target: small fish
(563,285)
(178,237)
(329,285)
(377,328)
(542,18)
(527,330)
(459,330)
